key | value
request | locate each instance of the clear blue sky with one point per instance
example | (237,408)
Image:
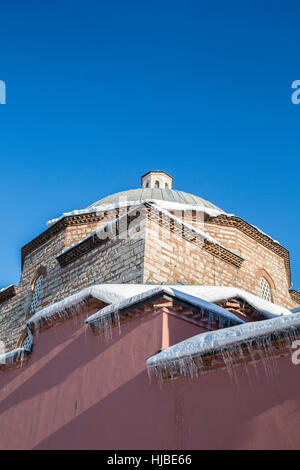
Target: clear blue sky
(100,92)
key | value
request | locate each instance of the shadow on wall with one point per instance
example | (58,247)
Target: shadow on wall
(84,392)
(205,413)
(58,365)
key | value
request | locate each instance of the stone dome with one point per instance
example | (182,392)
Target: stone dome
(142,194)
(156,187)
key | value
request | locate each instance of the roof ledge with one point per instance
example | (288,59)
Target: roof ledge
(8,293)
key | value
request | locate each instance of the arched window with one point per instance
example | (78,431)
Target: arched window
(266,292)
(166,186)
(36,294)
(156,184)
(147,184)
(25,340)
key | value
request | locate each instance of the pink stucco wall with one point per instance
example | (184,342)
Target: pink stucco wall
(80,391)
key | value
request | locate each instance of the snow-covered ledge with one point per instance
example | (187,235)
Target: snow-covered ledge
(17,355)
(106,293)
(186,358)
(132,293)
(106,317)
(122,204)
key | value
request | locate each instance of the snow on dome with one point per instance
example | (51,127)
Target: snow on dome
(166,198)
(168,195)
(162,195)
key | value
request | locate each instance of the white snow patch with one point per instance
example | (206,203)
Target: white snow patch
(103,229)
(106,228)
(219,293)
(107,293)
(189,226)
(121,296)
(177,292)
(18,353)
(176,206)
(5,288)
(221,339)
(11,356)
(163,204)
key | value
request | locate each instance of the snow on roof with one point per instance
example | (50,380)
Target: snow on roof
(7,287)
(163,204)
(106,228)
(199,296)
(103,229)
(219,340)
(189,226)
(177,206)
(18,353)
(11,356)
(219,293)
(107,293)
(169,205)
(177,292)
(115,294)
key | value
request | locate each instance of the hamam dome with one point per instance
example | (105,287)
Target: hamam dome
(156,185)
(169,195)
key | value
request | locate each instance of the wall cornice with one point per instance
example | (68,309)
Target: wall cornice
(8,293)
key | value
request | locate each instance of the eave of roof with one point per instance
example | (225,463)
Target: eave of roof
(216,342)
(157,292)
(8,293)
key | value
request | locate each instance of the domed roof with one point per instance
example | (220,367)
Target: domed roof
(169,195)
(156,187)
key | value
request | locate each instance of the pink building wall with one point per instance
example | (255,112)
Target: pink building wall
(81,391)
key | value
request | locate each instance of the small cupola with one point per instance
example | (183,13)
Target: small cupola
(157,179)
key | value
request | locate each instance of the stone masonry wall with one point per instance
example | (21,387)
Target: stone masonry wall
(169,258)
(258,259)
(114,261)
(76,233)
(13,312)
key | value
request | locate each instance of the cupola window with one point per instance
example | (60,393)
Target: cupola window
(156,184)
(265,289)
